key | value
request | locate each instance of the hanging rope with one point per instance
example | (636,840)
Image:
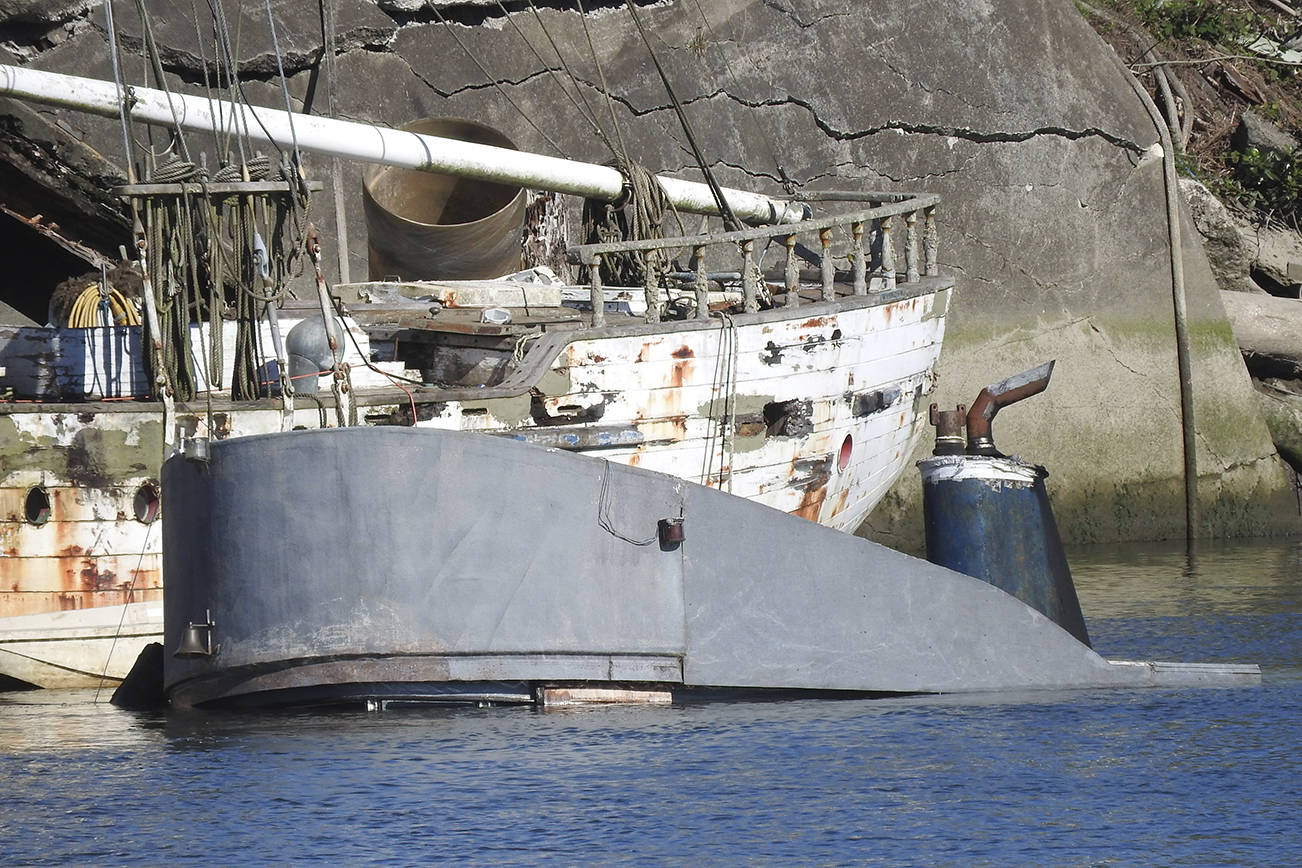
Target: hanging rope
(718,428)
(247,243)
(169,269)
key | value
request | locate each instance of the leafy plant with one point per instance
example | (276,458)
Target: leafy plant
(1267,182)
(1205,20)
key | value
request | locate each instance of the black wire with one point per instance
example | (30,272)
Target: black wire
(447,26)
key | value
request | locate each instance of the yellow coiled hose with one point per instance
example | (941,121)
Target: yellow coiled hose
(86,311)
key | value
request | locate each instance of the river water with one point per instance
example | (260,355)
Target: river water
(1139,777)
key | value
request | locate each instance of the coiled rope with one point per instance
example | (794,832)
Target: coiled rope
(96,307)
(640,214)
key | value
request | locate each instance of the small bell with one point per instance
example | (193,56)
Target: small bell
(196,640)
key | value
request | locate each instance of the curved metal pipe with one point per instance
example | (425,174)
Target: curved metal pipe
(980,440)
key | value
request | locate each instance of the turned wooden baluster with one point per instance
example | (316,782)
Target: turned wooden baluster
(860,264)
(749,285)
(911,247)
(825,260)
(930,243)
(598,296)
(702,286)
(792,276)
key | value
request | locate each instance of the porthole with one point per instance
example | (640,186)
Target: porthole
(847,449)
(147,503)
(36,509)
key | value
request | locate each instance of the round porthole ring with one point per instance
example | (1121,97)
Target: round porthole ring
(36,507)
(147,503)
(847,449)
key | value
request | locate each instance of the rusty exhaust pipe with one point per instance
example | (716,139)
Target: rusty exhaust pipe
(980,440)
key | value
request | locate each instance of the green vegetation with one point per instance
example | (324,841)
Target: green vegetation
(1211,21)
(1203,49)
(1269,183)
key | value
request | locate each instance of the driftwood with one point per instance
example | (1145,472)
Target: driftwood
(1269,332)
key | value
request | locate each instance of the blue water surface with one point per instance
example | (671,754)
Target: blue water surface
(1123,777)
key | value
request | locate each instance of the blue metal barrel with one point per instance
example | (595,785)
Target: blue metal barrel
(989,517)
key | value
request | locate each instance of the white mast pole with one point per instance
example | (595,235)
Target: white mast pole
(375,144)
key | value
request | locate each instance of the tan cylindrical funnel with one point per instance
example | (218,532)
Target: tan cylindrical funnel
(427,226)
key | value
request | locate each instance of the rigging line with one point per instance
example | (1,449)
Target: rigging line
(328,52)
(238,96)
(713,431)
(591,115)
(108,658)
(551,71)
(244,98)
(151,49)
(223,36)
(731,399)
(328,43)
(117,80)
(203,60)
(730,221)
(235,57)
(447,26)
(788,184)
(601,76)
(284,86)
(585,110)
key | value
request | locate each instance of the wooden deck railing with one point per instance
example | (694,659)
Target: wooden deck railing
(870,233)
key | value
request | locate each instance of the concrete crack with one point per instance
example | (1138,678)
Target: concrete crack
(262,67)
(949,132)
(491,14)
(1232,466)
(1008,264)
(789,12)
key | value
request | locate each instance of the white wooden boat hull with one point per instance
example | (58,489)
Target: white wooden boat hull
(78,648)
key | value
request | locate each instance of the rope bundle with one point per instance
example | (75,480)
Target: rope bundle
(638,216)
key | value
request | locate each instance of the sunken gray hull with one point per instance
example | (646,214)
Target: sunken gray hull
(371,563)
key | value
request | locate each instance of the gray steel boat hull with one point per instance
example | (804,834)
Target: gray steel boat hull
(400,563)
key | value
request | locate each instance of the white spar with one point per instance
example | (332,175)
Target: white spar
(374,144)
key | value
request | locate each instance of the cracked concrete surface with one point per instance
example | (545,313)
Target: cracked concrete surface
(1051,222)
